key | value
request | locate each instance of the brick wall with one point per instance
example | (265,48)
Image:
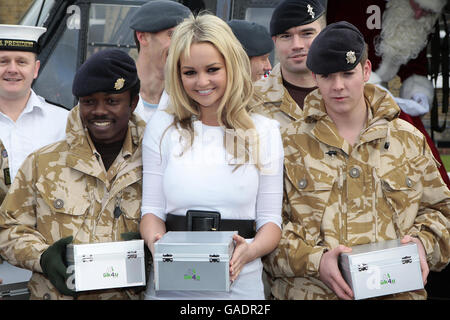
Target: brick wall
(12,10)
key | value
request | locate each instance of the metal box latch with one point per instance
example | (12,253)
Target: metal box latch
(87,258)
(132,254)
(214,258)
(167,257)
(363,267)
(406,259)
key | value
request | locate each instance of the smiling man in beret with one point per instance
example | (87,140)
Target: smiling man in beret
(153,25)
(293,27)
(354,174)
(84,189)
(257,43)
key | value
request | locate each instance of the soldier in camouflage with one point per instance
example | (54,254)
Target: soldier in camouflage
(293,27)
(355,174)
(87,186)
(5,178)
(3,186)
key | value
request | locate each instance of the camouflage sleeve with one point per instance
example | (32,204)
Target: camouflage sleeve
(294,255)
(4,170)
(432,223)
(20,243)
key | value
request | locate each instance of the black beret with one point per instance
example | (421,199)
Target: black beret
(155,16)
(337,48)
(293,13)
(254,37)
(109,70)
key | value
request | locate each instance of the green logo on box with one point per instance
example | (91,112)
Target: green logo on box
(387,279)
(110,273)
(191,275)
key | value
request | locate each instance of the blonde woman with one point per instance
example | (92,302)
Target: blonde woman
(206,152)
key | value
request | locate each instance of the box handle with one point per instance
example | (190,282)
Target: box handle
(87,258)
(132,254)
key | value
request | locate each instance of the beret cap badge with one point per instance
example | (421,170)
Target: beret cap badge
(119,83)
(337,48)
(351,57)
(294,13)
(311,11)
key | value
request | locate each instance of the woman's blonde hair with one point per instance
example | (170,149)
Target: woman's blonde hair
(239,93)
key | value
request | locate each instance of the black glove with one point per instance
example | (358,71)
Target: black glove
(53,264)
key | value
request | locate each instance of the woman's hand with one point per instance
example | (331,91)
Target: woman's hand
(241,256)
(265,241)
(152,229)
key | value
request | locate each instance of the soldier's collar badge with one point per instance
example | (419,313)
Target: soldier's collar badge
(311,11)
(351,57)
(119,83)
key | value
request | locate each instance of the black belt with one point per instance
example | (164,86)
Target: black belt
(196,220)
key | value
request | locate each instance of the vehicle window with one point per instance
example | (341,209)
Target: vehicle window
(34,16)
(197,6)
(56,76)
(262,16)
(115,33)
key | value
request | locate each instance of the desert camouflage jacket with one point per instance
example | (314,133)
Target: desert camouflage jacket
(384,187)
(63,189)
(4,183)
(278,104)
(5,179)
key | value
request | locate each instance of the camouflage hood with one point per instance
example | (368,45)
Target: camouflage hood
(382,111)
(382,106)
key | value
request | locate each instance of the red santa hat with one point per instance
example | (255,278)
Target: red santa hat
(432,5)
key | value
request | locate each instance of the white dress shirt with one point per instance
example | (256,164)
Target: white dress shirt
(39,124)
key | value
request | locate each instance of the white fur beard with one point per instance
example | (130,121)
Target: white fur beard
(402,37)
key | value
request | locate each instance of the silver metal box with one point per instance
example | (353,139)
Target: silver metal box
(381,268)
(107,265)
(193,260)
(15,282)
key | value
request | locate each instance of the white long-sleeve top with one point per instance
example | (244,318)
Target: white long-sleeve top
(203,179)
